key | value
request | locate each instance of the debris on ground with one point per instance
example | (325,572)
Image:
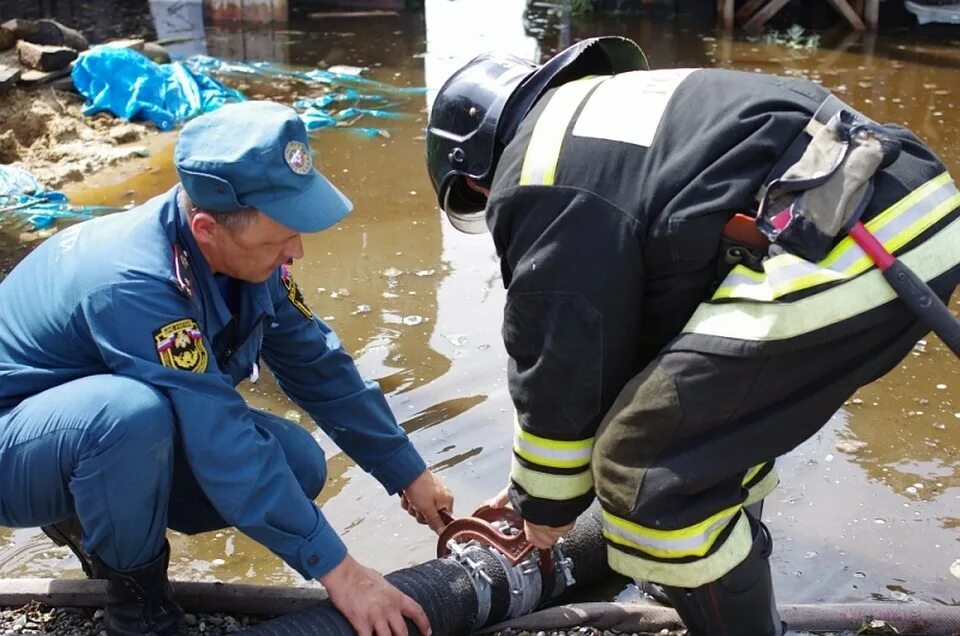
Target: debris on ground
(47,135)
(36,618)
(37,51)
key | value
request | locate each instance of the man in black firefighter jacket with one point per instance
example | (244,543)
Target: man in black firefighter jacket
(654,364)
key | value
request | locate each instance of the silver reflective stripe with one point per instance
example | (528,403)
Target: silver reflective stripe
(895,227)
(669,544)
(758,321)
(550,486)
(569,455)
(693,573)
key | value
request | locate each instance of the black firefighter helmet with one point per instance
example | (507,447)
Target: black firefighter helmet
(477,112)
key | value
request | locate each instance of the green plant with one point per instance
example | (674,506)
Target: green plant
(580,7)
(793,38)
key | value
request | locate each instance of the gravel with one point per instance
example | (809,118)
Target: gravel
(74,621)
(587,631)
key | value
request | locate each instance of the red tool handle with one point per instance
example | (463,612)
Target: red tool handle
(911,289)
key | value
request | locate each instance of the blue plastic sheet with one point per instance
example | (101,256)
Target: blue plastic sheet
(24,201)
(131,86)
(344,100)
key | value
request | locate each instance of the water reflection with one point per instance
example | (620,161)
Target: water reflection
(444,367)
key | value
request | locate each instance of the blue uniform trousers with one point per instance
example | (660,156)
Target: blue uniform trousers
(105,448)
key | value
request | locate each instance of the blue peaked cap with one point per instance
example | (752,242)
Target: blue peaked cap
(256,154)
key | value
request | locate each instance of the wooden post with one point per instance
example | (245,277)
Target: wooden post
(844,7)
(756,23)
(259,11)
(871,14)
(725,14)
(747,10)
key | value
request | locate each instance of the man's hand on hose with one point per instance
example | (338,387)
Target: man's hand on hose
(424,498)
(542,537)
(372,605)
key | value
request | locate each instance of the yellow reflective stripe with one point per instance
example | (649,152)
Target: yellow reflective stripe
(543,152)
(881,220)
(750,474)
(894,227)
(762,488)
(551,486)
(693,574)
(694,540)
(550,452)
(764,322)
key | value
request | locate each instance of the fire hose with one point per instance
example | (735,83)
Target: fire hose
(485,572)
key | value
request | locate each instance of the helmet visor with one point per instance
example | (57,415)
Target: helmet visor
(465,207)
(469,222)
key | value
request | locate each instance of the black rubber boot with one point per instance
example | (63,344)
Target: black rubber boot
(68,533)
(740,603)
(140,601)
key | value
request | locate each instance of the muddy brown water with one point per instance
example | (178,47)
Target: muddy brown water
(867,508)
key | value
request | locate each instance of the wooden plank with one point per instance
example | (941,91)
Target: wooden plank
(760,18)
(30,76)
(847,11)
(8,76)
(747,10)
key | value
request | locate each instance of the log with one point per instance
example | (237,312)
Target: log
(7,38)
(22,29)
(52,33)
(45,58)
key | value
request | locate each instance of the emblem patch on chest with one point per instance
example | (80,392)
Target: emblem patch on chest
(180,346)
(293,292)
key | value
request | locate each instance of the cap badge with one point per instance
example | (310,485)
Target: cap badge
(298,157)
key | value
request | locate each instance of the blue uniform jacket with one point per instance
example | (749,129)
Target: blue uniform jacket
(131,294)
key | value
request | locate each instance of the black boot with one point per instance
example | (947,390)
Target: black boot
(740,603)
(140,601)
(68,533)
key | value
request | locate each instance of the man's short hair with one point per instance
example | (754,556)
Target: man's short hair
(233,221)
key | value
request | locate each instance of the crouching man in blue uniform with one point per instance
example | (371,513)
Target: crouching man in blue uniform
(121,342)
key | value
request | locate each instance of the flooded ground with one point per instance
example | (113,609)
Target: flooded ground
(868,508)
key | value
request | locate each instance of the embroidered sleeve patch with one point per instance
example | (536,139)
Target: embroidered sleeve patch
(293,292)
(180,346)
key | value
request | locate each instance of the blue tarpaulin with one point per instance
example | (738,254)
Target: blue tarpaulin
(129,85)
(344,98)
(24,200)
